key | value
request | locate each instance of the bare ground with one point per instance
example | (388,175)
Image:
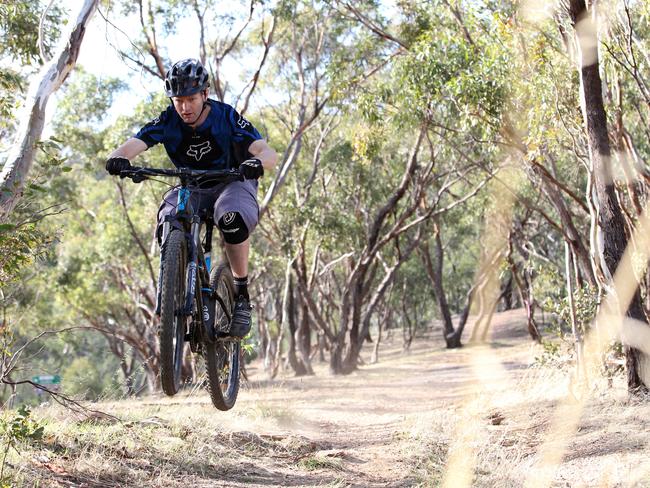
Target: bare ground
(412,419)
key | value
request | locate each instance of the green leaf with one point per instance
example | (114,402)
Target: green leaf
(34,186)
(7,227)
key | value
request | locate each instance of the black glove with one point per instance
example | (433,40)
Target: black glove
(115,165)
(251,169)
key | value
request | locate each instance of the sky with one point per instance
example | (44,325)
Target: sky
(99,54)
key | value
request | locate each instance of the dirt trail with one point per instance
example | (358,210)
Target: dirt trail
(360,426)
(390,424)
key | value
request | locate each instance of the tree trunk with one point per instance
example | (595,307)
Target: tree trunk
(32,118)
(375,350)
(292,356)
(572,235)
(303,340)
(525,283)
(610,219)
(408,325)
(436,281)
(434,269)
(508,294)
(321,347)
(336,358)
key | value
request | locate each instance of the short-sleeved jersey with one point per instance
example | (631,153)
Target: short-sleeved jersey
(220,142)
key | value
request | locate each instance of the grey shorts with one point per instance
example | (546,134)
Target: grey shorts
(237,196)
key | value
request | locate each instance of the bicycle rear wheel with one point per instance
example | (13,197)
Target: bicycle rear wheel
(222,357)
(173,324)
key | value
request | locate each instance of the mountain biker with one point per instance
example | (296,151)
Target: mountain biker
(201,133)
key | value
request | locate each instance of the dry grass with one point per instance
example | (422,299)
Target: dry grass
(505,422)
(402,422)
(157,446)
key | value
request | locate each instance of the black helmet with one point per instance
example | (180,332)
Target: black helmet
(186,77)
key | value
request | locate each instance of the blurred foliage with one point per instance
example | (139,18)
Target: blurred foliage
(16,429)
(20,54)
(19,29)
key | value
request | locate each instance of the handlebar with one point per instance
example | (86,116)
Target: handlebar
(224,175)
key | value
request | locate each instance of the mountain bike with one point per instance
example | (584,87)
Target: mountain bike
(194,300)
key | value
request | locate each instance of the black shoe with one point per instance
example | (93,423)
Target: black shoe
(240,324)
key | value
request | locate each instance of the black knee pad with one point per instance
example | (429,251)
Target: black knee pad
(233,228)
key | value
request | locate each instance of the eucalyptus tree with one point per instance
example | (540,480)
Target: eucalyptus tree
(369,190)
(49,79)
(611,221)
(22,26)
(625,63)
(407,309)
(626,58)
(564,147)
(314,42)
(100,273)
(30,32)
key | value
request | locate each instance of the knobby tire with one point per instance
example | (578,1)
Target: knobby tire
(222,357)
(172,323)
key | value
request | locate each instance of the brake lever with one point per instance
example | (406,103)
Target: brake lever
(137,178)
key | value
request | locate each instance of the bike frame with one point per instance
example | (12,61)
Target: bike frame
(199,259)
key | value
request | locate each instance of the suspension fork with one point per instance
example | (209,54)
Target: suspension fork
(192,264)
(181,207)
(165,233)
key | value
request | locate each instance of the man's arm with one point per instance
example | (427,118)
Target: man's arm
(265,153)
(130,149)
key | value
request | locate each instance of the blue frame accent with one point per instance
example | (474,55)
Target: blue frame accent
(183,198)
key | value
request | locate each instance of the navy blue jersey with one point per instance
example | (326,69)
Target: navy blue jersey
(220,142)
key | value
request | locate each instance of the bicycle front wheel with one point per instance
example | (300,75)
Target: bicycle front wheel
(222,357)
(173,323)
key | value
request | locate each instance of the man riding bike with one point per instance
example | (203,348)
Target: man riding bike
(201,133)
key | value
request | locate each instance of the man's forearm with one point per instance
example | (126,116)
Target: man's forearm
(265,153)
(268,157)
(130,149)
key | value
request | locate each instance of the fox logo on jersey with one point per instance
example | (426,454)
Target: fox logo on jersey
(197,151)
(242,122)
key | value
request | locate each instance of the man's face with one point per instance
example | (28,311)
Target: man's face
(189,107)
